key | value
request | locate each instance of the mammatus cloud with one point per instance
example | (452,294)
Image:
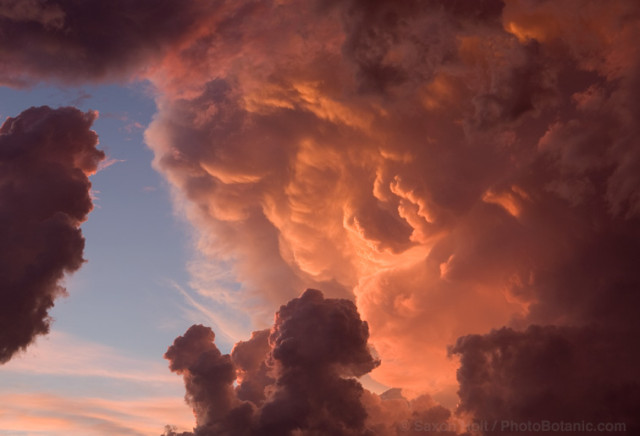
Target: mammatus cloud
(46,156)
(448,164)
(456,167)
(297,378)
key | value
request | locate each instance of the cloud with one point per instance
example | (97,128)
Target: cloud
(446,164)
(452,167)
(296,377)
(583,213)
(71,40)
(68,356)
(136,395)
(302,362)
(299,377)
(108,162)
(316,169)
(55,415)
(46,156)
(554,374)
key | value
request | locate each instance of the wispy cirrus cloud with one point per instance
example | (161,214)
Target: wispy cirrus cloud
(26,414)
(137,396)
(62,354)
(108,162)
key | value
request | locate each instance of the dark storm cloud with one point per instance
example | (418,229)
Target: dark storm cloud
(297,377)
(424,31)
(555,374)
(46,156)
(70,40)
(317,343)
(208,375)
(581,364)
(577,362)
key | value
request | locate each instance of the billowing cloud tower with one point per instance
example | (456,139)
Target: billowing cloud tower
(46,156)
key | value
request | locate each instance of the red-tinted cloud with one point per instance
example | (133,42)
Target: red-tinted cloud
(452,165)
(46,156)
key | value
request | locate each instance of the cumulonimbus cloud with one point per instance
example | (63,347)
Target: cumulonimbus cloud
(454,167)
(457,167)
(46,156)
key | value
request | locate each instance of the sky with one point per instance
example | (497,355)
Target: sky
(308,218)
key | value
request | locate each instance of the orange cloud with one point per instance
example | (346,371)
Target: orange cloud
(406,167)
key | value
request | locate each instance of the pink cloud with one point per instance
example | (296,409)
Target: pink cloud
(50,414)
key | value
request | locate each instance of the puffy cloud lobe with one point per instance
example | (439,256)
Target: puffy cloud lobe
(46,156)
(558,374)
(208,376)
(70,40)
(391,414)
(338,337)
(296,378)
(252,370)
(317,343)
